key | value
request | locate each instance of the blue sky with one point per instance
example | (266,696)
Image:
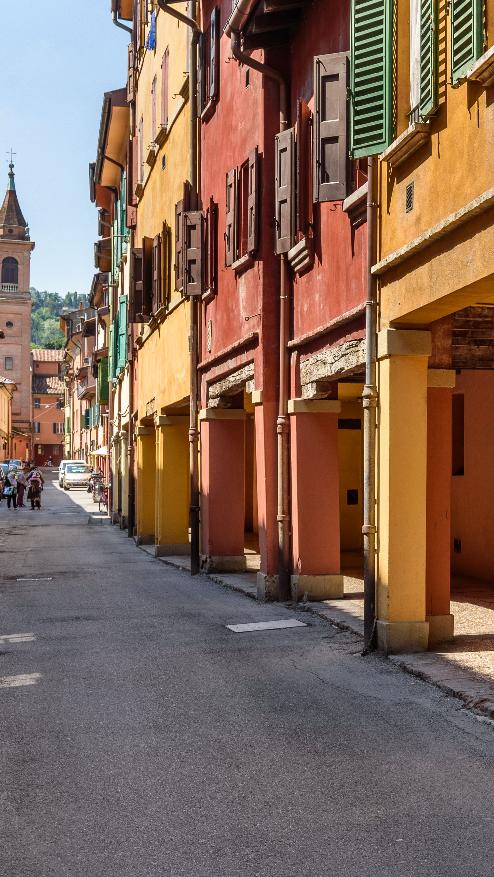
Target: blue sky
(58,57)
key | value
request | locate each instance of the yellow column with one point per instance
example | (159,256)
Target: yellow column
(172,485)
(145,487)
(401,494)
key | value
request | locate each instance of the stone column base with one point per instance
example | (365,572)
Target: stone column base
(224,563)
(441,628)
(267,587)
(180,549)
(394,637)
(324,587)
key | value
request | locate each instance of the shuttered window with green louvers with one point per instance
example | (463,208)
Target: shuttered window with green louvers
(428,58)
(467,29)
(111,355)
(122,333)
(371,76)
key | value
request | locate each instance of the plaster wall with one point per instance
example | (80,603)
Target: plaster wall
(16,308)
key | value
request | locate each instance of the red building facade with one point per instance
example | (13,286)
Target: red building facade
(282,357)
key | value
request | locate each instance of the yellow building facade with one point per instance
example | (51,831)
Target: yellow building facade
(7,388)
(435,273)
(160,108)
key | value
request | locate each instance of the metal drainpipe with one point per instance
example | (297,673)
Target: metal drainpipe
(195,305)
(120,24)
(282,424)
(369,401)
(131,447)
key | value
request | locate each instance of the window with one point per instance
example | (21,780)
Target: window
(58,428)
(371,69)
(9,363)
(164,88)
(242,210)
(467,35)
(458,437)
(423,59)
(153,109)
(36,427)
(140,141)
(37,403)
(330,155)
(10,270)
(208,63)
(9,324)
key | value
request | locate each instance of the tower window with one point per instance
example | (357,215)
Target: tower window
(9,363)
(10,270)
(9,324)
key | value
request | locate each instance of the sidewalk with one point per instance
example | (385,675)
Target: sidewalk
(463,668)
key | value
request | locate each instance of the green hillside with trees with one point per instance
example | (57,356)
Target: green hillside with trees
(47,307)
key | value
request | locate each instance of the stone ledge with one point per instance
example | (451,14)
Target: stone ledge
(483,69)
(406,144)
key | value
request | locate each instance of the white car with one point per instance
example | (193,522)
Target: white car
(61,468)
(76,475)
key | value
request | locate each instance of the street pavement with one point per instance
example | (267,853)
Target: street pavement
(139,736)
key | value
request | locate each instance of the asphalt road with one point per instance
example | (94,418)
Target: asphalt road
(139,736)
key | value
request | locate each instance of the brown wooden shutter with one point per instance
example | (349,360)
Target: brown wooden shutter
(211,246)
(253,201)
(156,300)
(284,200)
(214,54)
(131,75)
(304,168)
(194,253)
(164,88)
(200,74)
(135,285)
(330,154)
(231,217)
(179,263)
(165,264)
(147,276)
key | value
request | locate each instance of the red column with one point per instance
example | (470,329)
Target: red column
(438,511)
(315,500)
(223,490)
(266,463)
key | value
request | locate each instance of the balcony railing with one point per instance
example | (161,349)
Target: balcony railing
(10,287)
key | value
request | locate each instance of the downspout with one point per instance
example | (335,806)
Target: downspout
(120,24)
(282,424)
(131,447)
(195,305)
(369,402)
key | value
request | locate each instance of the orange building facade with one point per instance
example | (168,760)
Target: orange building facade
(47,404)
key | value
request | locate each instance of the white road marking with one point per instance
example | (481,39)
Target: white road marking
(19,681)
(37,579)
(265,625)
(16,638)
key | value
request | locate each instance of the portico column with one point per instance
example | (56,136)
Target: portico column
(315,498)
(401,490)
(172,485)
(439,464)
(146,471)
(222,488)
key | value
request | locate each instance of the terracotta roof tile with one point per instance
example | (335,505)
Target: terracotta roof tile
(48,385)
(42,354)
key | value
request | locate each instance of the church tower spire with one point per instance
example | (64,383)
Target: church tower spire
(13,226)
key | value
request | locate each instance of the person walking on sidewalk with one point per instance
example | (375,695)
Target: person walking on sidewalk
(21,487)
(35,483)
(10,489)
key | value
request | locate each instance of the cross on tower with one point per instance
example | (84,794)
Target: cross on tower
(12,157)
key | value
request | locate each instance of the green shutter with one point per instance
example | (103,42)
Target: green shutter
(428,58)
(466,35)
(103,380)
(87,415)
(371,80)
(122,333)
(111,354)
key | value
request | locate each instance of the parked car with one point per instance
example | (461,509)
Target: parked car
(15,464)
(76,475)
(61,468)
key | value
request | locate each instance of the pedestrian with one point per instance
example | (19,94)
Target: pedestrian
(35,483)
(10,489)
(21,487)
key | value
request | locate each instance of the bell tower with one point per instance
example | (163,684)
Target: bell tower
(15,314)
